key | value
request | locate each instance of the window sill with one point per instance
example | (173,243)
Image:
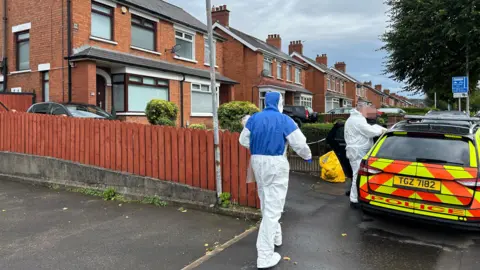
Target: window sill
(201,114)
(207,65)
(130,114)
(144,50)
(298,83)
(185,59)
(289,81)
(269,76)
(103,40)
(20,72)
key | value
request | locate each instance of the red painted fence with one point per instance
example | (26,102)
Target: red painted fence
(179,155)
(16,101)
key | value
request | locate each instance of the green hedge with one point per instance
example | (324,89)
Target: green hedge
(230,114)
(198,126)
(161,112)
(316,132)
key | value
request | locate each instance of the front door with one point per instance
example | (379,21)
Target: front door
(101,92)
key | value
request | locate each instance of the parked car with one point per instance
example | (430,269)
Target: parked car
(446,113)
(77,110)
(342,110)
(300,114)
(392,111)
(434,163)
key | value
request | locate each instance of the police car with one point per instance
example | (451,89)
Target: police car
(425,168)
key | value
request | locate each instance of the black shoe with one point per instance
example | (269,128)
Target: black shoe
(354,206)
(347,193)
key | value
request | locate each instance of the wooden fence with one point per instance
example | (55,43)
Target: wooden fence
(184,156)
(17,101)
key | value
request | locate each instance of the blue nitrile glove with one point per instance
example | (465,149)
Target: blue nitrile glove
(308,161)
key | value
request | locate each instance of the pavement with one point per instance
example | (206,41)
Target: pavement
(48,229)
(322,232)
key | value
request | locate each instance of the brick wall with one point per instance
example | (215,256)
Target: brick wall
(351,91)
(47,42)
(165,37)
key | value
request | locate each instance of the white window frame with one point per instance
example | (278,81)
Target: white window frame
(306,100)
(206,57)
(270,64)
(198,89)
(329,83)
(188,32)
(279,68)
(342,87)
(298,75)
(289,73)
(337,85)
(264,92)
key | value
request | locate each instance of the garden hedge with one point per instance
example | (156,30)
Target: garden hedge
(316,132)
(230,114)
(161,112)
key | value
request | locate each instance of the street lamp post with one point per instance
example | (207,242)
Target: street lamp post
(218,170)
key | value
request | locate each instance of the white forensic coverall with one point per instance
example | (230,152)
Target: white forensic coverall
(267,135)
(359,138)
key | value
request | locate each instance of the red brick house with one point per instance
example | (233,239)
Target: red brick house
(259,66)
(120,55)
(330,89)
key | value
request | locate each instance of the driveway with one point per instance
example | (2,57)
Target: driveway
(47,229)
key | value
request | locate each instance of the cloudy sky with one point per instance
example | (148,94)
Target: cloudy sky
(346,30)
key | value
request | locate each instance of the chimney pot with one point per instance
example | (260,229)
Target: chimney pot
(341,66)
(221,15)
(323,59)
(275,40)
(295,46)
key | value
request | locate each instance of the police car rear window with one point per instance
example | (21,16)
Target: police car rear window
(425,149)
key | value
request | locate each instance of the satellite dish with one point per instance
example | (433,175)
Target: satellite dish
(265,73)
(174,49)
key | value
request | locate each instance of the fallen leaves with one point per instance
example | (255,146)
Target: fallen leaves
(183,210)
(287,259)
(344,234)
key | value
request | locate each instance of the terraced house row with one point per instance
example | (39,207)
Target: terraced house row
(120,54)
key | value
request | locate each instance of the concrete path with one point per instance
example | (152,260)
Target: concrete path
(48,229)
(322,232)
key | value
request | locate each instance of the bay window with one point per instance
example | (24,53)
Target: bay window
(202,99)
(306,101)
(132,93)
(186,42)
(102,21)
(143,33)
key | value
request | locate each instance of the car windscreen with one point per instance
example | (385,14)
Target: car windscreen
(87,112)
(426,149)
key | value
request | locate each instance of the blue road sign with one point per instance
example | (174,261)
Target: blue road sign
(460,87)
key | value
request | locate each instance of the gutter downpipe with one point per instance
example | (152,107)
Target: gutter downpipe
(181,100)
(69,48)
(4,46)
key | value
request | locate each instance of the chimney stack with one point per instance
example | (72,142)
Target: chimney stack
(295,46)
(322,59)
(368,83)
(341,66)
(378,87)
(386,91)
(221,15)
(275,40)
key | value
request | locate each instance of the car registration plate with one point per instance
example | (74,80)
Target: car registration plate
(413,182)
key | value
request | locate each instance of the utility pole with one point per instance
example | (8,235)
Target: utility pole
(213,87)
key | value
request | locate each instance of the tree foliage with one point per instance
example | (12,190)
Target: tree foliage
(426,44)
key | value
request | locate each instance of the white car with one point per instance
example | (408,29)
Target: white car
(392,111)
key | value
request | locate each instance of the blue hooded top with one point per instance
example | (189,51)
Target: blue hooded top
(269,129)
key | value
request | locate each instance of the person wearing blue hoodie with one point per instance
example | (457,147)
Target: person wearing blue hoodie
(267,134)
